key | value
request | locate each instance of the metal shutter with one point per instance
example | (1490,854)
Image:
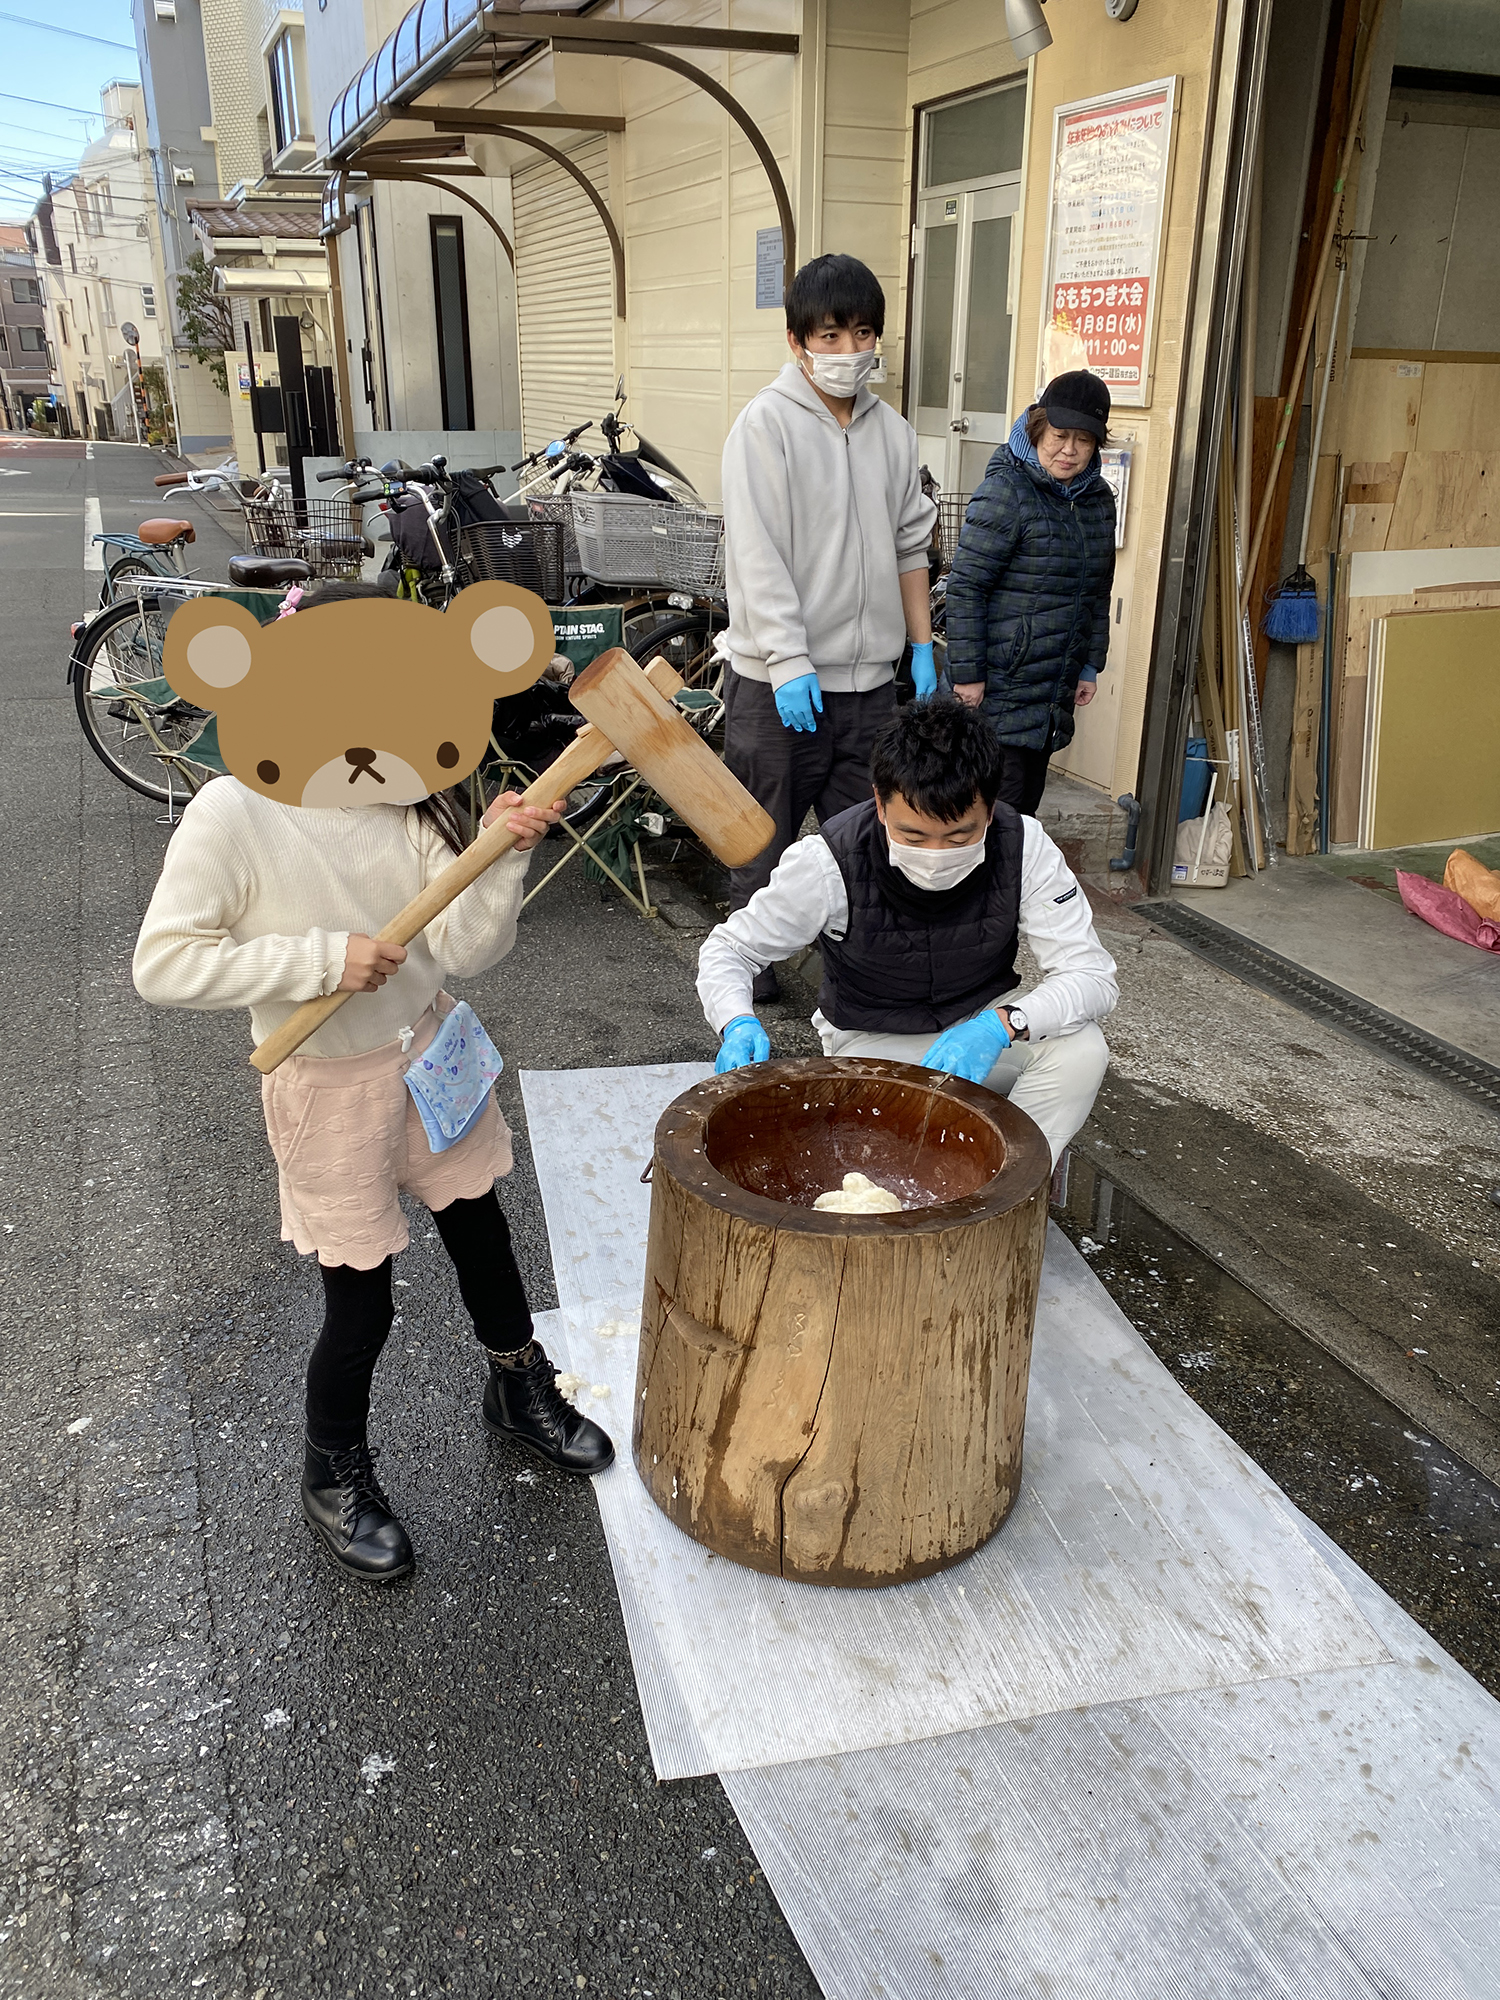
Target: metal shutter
(564,297)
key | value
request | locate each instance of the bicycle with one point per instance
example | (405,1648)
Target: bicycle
(135,724)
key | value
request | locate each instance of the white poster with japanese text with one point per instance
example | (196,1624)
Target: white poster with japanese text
(1111,159)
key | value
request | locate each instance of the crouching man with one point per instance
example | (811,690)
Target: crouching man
(919,900)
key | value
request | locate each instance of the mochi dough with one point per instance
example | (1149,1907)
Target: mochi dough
(858,1196)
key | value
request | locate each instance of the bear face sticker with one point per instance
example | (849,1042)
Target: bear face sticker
(375,701)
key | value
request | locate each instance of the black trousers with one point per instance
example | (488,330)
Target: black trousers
(792,773)
(358,1315)
(1023,777)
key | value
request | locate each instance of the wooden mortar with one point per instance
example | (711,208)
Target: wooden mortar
(839,1398)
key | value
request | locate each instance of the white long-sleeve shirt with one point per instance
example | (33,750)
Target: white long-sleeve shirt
(806,899)
(256,903)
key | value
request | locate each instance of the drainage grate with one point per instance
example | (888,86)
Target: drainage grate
(1386,1033)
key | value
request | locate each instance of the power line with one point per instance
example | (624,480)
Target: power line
(73,34)
(46,104)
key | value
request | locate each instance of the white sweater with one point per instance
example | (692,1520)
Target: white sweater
(256,903)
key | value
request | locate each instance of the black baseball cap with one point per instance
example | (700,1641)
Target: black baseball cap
(1077,401)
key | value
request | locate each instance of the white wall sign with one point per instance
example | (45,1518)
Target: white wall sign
(1111,163)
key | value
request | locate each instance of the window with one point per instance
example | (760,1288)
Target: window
(30,340)
(62,323)
(148,302)
(85,339)
(284,111)
(26,291)
(450,293)
(73,259)
(974,139)
(108,292)
(4,343)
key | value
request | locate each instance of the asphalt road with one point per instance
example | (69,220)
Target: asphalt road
(223,1768)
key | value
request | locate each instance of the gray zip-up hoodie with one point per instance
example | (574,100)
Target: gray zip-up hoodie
(819,522)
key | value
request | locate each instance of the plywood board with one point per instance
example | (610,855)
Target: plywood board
(1382,403)
(1357,612)
(1432,723)
(1366,527)
(1460,407)
(1374,482)
(1442,502)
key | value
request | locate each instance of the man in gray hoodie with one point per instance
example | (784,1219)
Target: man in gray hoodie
(826,535)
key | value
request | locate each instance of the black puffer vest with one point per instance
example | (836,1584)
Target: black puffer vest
(913,961)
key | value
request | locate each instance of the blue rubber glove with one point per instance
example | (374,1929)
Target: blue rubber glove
(745,1041)
(796,701)
(923,672)
(970,1049)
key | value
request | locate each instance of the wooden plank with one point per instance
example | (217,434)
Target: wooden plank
(1382,405)
(1440,504)
(1302,774)
(1374,482)
(1460,407)
(1365,528)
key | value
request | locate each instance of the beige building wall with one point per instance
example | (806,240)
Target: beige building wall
(960,45)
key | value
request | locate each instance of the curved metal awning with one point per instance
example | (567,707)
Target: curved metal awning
(459,40)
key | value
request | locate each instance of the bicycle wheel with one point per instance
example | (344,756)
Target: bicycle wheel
(684,639)
(118,570)
(128,715)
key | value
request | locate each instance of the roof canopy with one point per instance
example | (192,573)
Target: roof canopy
(430,40)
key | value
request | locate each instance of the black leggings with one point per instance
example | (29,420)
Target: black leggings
(359,1313)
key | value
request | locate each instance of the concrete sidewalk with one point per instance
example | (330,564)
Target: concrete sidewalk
(1367,944)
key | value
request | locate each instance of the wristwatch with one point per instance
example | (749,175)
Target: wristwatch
(1016,1022)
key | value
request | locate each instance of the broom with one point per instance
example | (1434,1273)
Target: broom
(1293,615)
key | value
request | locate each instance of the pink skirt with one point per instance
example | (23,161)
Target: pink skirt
(348,1142)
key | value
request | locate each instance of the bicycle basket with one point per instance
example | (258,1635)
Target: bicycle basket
(690,553)
(529,553)
(625,540)
(325,534)
(951,510)
(559,511)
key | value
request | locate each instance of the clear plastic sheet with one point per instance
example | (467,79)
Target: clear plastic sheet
(1145,1554)
(1334,1835)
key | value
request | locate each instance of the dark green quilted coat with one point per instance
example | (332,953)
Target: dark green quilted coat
(1029,596)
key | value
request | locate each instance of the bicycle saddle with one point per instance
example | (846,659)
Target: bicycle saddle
(266,572)
(158,533)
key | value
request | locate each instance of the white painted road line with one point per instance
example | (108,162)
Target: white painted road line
(93,524)
(88,449)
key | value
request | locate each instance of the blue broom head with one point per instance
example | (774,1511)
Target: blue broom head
(1293,616)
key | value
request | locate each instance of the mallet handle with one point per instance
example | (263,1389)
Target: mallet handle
(583,756)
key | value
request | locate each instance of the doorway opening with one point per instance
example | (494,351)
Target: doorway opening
(964,258)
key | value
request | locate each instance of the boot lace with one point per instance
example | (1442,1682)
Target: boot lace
(354,1469)
(546,1399)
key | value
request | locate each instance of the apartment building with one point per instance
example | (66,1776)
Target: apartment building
(25,374)
(102,271)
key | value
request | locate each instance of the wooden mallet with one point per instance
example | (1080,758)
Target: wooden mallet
(629,711)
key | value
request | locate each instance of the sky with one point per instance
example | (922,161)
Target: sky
(53,73)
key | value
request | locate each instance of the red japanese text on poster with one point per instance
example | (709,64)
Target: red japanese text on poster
(1110,162)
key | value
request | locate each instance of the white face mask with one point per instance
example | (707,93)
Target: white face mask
(935,867)
(841,374)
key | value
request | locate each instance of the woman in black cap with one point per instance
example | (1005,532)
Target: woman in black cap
(1029,591)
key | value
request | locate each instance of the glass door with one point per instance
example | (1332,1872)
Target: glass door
(962,283)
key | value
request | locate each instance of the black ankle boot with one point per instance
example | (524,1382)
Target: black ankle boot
(347,1511)
(521,1401)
